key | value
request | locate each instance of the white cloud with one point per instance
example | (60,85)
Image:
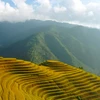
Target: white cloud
(6,11)
(22,11)
(61,10)
(18,2)
(90,13)
(78,6)
(44,3)
(43,7)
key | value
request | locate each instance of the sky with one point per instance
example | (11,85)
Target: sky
(82,12)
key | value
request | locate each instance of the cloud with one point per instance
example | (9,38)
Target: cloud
(21,12)
(90,14)
(18,2)
(44,4)
(78,6)
(74,11)
(60,9)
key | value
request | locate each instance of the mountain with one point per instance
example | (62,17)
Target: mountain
(13,32)
(51,80)
(75,45)
(49,44)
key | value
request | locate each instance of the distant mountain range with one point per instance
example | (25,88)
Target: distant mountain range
(38,41)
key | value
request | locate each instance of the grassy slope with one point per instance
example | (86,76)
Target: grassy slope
(41,46)
(52,80)
(78,46)
(13,32)
(52,43)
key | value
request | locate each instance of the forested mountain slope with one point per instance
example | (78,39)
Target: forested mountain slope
(75,45)
(13,32)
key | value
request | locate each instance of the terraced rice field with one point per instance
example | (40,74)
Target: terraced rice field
(52,80)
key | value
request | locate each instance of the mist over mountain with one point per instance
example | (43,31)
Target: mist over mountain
(13,32)
(38,41)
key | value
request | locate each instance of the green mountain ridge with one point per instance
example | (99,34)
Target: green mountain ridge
(49,44)
(13,32)
(75,45)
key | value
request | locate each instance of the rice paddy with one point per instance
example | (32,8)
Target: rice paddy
(51,80)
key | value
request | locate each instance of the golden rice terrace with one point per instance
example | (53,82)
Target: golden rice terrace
(52,80)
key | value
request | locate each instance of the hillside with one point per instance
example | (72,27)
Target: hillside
(13,32)
(49,44)
(51,80)
(38,41)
